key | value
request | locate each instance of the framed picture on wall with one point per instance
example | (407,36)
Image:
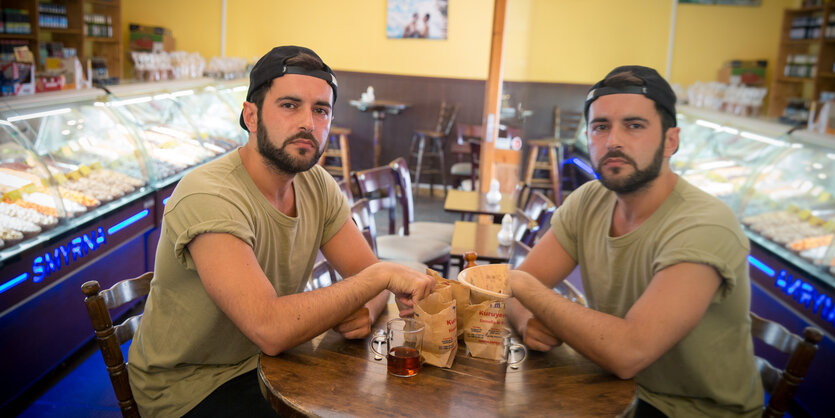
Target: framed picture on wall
(425,19)
(724,2)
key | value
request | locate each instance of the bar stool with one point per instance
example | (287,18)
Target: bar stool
(336,159)
(543,173)
(428,147)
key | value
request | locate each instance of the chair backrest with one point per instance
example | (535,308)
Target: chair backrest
(537,204)
(365,222)
(404,191)
(446,117)
(565,288)
(782,384)
(379,186)
(110,337)
(322,275)
(566,123)
(345,187)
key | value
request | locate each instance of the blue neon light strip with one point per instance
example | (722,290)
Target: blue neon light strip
(164,201)
(13,282)
(583,166)
(762,266)
(127,222)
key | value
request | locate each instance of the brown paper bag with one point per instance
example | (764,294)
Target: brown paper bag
(440,342)
(460,293)
(483,325)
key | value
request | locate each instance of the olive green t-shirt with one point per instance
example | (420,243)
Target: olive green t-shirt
(711,371)
(185,346)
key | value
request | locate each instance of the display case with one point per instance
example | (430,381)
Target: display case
(168,131)
(84,177)
(65,160)
(779,184)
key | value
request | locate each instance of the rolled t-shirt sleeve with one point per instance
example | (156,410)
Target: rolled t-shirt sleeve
(201,213)
(564,223)
(338,210)
(712,245)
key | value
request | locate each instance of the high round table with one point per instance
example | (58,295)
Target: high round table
(379,109)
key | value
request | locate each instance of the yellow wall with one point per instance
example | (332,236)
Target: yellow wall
(195,24)
(566,41)
(706,36)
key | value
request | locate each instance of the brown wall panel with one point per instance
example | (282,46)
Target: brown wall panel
(424,95)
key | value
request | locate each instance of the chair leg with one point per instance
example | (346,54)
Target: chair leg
(440,144)
(554,173)
(345,157)
(421,150)
(532,154)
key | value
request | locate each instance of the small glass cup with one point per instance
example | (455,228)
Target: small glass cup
(404,343)
(509,348)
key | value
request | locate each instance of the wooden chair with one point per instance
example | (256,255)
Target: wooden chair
(345,187)
(441,231)
(323,274)
(379,185)
(365,222)
(429,144)
(469,144)
(110,337)
(336,159)
(782,384)
(564,287)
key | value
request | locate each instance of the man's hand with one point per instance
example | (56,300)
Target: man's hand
(406,284)
(537,337)
(355,326)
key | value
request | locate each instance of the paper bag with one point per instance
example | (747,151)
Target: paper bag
(440,342)
(483,324)
(460,293)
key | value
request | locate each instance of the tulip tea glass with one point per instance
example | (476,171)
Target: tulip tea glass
(404,342)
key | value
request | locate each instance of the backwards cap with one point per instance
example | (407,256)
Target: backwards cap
(273,65)
(654,88)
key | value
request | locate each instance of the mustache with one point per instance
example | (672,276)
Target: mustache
(615,154)
(302,135)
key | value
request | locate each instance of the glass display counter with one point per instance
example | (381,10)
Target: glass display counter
(84,177)
(779,184)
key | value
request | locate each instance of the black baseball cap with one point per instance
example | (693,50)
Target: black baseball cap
(654,88)
(273,65)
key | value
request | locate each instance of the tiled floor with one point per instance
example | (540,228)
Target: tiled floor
(81,387)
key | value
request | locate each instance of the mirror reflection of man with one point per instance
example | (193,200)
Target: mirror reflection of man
(239,239)
(664,265)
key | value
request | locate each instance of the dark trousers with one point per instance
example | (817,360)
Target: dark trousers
(239,397)
(645,410)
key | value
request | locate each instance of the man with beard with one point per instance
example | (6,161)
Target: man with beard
(663,264)
(238,242)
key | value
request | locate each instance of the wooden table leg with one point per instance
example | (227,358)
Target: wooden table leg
(378,133)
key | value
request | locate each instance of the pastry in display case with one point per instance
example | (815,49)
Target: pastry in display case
(779,184)
(67,159)
(30,204)
(233,93)
(721,159)
(791,203)
(216,120)
(169,137)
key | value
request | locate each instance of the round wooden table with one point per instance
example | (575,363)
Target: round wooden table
(331,376)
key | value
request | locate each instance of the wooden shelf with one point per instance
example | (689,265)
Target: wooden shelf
(17,36)
(783,88)
(101,39)
(799,41)
(785,79)
(69,31)
(103,3)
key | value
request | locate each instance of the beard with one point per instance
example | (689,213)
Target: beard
(281,160)
(638,180)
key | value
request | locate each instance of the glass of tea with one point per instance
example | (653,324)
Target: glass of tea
(404,342)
